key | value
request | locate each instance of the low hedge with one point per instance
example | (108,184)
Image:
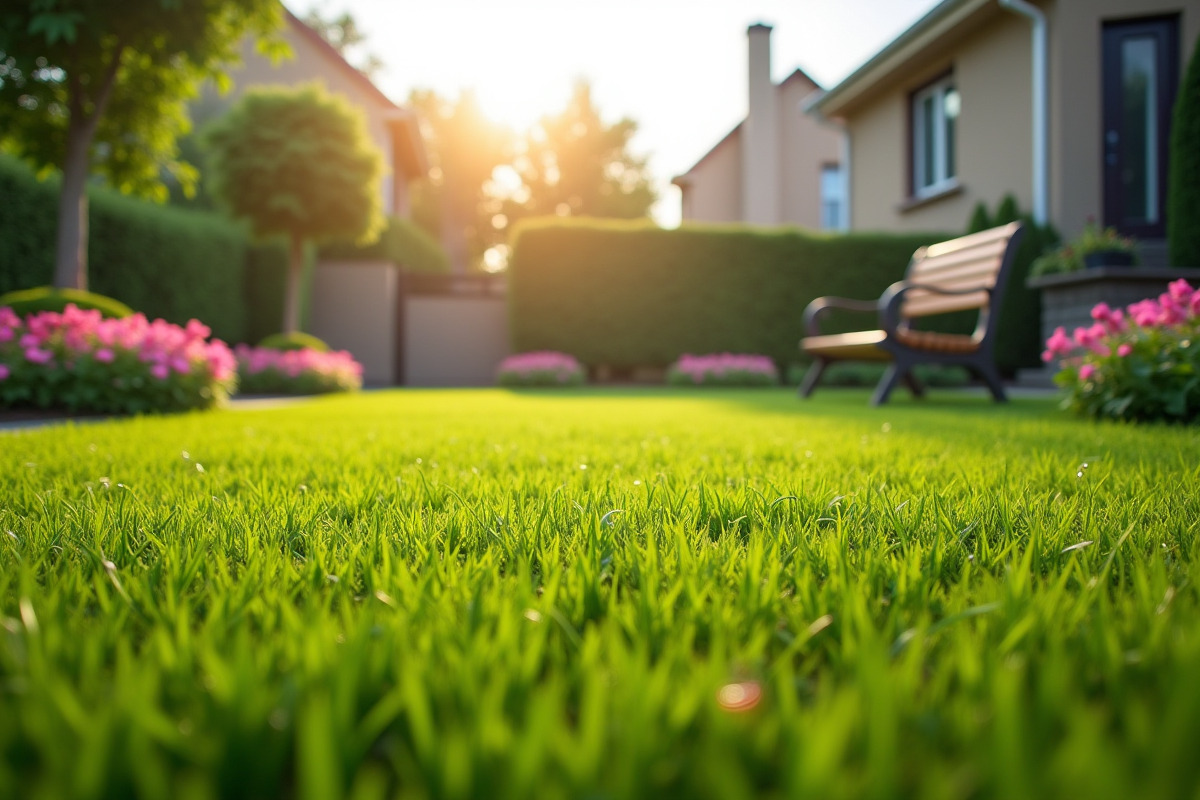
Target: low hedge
(163,261)
(24,302)
(630,294)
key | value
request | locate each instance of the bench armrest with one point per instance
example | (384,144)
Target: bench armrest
(815,309)
(893,298)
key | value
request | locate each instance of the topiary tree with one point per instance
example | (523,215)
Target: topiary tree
(1183,185)
(297,163)
(980,221)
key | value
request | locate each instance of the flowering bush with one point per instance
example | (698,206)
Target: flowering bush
(80,361)
(263,370)
(1143,363)
(723,369)
(540,368)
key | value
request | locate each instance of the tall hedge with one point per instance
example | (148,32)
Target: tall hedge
(163,261)
(1183,186)
(630,294)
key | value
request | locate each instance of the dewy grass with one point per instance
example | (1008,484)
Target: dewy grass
(601,594)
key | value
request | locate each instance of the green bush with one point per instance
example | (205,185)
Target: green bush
(629,294)
(162,261)
(47,298)
(293,341)
(1183,187)
(403,242)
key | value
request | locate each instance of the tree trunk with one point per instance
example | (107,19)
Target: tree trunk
(291,298)
(70,254)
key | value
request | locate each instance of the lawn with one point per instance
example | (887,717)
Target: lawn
(647,593)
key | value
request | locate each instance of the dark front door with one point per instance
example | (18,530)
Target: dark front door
(1141,74)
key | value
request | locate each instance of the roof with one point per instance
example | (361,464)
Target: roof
(796,74)
(949,18)
(410,147)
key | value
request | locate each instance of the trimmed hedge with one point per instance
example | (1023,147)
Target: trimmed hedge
(162,261)
(46,298)
(629,294)
(403,242)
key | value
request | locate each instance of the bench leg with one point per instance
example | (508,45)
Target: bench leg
(812,377)
(915,386)
(895,372)
(991,376)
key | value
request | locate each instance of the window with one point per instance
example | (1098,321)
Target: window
(833,198)
(934,118)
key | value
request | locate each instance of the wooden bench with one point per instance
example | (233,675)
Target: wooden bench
(962,274)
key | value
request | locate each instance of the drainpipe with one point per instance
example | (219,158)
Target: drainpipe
(1041,126)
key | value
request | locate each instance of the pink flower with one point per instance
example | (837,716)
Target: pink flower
(38,356)
(1086,372)
(1059,343)
(1124,350)
(4,371)
(160,371)
(105,355)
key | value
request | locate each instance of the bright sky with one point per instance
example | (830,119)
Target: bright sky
(676,67)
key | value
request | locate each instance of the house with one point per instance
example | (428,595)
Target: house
(1064,103)
(779,165)
(392,128)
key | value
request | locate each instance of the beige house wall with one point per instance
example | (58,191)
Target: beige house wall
(990,56)
(805,146)
(308,65)
(713,192)
(991,68)
(454,341)
(1077,182)
(353,307)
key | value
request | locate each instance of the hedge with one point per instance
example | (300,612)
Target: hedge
(163,261)
(629,294)
(402,242)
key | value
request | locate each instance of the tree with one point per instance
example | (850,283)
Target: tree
(92,86)
(1183,188)
(297,163)
(465,148)
(575,164)
(343,35)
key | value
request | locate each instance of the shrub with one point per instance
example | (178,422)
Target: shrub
(1070,257)
(723,369)
(263,370)
(403,242)
(294,341)
(47,298)
(82,362)
(1183,187)
(165,262)
(1140,364)
(629,294)
(540,368)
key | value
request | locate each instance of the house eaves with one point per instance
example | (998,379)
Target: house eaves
(410,147)
(947,20)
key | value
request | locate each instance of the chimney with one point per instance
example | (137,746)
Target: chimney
(760,135)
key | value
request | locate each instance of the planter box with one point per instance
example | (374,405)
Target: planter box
(1068,298)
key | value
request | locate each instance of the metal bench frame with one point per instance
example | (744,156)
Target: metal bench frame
(887,343)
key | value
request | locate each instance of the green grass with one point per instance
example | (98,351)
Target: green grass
(427,594)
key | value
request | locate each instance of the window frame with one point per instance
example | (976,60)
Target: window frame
(944,144)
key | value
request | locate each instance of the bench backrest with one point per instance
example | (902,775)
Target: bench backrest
(976,261)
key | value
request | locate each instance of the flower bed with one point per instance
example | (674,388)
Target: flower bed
(540,368)
(1141,363)
(263,370)
(723,369)
(82,362)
